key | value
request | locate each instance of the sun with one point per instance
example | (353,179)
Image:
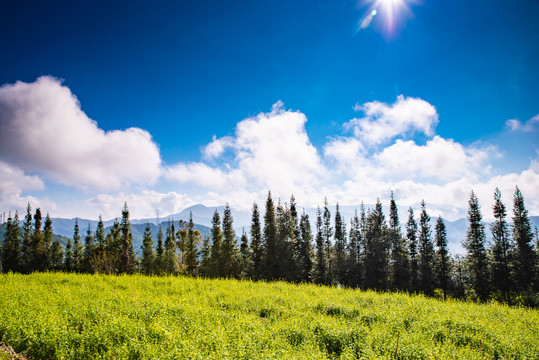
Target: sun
(389,11)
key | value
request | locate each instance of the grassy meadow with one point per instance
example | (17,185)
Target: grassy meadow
(70,316)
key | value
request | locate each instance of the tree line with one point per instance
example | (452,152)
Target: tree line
(371,253)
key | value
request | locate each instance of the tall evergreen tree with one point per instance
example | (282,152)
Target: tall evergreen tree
(443,261)
(501,249)
(411,236)
(170,259)
(77,249)
(399,264)
(340,247)
(426,252)
(294,245)
(205,257)
(245,256)
(354,253)
(284,250)
(257,269)
(271,263)
(68,260)
(56,255)
(148,253)
(525,262)
(229,251)
(89,249)
(27,253)
(321,261)
(305,251)
(191,248)
(127,254)
(327,233)
(217,269)
(11,250)
(159,253)
(474,244)
(113,249)
(37,244)
(376,250)
(47,243)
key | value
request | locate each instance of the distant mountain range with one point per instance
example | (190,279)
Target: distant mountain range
(202,215)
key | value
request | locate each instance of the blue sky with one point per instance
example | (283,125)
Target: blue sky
(171,104)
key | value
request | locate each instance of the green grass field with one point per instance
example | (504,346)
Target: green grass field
(68,316)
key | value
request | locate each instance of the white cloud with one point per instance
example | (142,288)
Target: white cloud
(516,125)
(383,122)
(44,130)
(218,146)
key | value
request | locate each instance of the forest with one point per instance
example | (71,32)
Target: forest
(371,253)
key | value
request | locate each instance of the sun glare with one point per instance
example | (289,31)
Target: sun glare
(390,13)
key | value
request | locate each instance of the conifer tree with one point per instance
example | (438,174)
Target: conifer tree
(411,236)
(271,263)
(400,276)
(170,260)
(113,249)
(376,250)
(256,245)
(294,243)
(284,257)
(68,260)
(11,251)
(525,262)
(27,254)
(37,244)
(245,256)
(340,247)
(216,248)
(501,249)
(321,261)
(474,244)
(327,233)
(305,251)
(354,253)
(127,254)
(89,249)
(56,255)
(426,252)
(205,257)
(229,251)
(47,243)
(160,253)
(77,249)
(443,260)
(100,256)
(191,248)
(148,253)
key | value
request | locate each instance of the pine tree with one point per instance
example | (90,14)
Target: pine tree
(284,251)
(216,248)
(327,233)
(77,249)
(399,264)
(97,262)
(89,250)
(205,257)
(26,246)
(340,247)
(305,251)
(245,256)
(170,259)
(191,248)
(501,249)
(229,251)
(411,236)
(256,245)
(160,253)
(474,244)
(113,249)
(443,260)
(11,251)
(271,263)
(426,252)
(127,254)
(68,260)
(294,244)
(47,243)
(354,253)
(321,261)
(37,244)
(148,254)
(376,250)
(525,262)
(56,255)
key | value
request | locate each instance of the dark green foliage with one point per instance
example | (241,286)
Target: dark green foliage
(245,257)
(376,250)
(525,261)
(271,263)
(474,244)
(89,250)
(37,255)
(216,263)
(340,247)
(426,252)
(68,260)
(127,254)
(11,250)
(305,261)
(160,252)
(27,253)
(77,249)
(205,257)
(170,259)
(45,257)
(321,260)
(191,248)
(411,236)
(442,260)
(354,253)
(501,249)
(257,268)
(148,253)
(327,233)
(399,264)
(229,250)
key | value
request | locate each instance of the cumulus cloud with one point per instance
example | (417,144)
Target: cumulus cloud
(528,126)
(383,122)
(44,130)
